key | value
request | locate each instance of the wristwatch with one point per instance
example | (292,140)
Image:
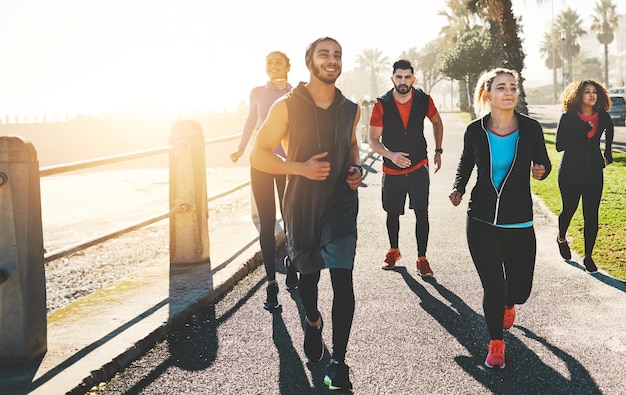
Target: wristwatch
(359,167)
(439,150)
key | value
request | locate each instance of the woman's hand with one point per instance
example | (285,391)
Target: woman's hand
(538,171)
(234,157)
(456,197)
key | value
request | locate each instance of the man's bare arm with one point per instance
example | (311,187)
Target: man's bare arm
(355,177)
(272,132)
(401,159)
(438,136)
(437,129)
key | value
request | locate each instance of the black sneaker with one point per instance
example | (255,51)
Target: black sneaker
(590,265)
(564,249)
(271,302)
(313,346)
(291,281)
(338,377)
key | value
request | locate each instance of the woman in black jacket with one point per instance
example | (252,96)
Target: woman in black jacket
(506,147)
(581,172)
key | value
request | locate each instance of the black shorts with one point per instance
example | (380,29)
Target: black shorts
(395,188)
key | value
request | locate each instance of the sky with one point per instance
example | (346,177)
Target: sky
(154,56)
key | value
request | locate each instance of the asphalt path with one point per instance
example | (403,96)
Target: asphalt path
(410,335)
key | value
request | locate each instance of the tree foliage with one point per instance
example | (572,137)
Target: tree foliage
(590,68)
(426,63)
(604,23)
(569,21)
(375,62)
(471,55)
(504,28)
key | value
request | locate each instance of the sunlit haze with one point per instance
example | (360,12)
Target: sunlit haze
(157,56)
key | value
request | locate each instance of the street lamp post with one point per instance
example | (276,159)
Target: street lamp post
(563,34)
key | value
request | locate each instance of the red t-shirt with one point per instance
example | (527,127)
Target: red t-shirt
(376,119)
(595,121)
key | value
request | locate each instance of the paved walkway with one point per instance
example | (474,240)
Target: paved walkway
(410,336)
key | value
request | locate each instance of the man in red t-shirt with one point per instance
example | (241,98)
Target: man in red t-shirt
(397,134)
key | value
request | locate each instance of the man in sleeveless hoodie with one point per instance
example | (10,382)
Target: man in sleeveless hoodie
(317,126)
(397,134)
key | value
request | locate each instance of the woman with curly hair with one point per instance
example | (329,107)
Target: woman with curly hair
(585,118)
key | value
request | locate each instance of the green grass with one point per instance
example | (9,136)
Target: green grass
(610,249)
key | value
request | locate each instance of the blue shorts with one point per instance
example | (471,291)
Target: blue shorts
(338,238)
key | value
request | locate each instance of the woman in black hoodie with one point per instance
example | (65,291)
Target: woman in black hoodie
(507,148)
(581,172)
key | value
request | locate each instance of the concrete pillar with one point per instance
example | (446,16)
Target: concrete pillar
(189,229)
(22,275)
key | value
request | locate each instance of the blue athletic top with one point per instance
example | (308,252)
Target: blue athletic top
(502,151)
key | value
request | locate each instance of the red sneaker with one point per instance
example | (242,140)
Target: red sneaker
(423,267)
(495,357)
(509,317)
(393,255)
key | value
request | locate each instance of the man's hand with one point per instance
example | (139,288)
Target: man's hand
(456,197)
(316,169)
(538,171)
(354,177)
(400,159)
(437,161)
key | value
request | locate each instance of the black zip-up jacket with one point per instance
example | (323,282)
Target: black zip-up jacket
(512,202)
(395,137)
(581,153)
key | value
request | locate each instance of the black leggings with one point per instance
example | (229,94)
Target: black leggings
(573,187)
(263,190)
(394,191)
(505,262)
(422,228)
(343,305)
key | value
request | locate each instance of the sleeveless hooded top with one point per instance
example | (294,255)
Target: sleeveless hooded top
(313,130)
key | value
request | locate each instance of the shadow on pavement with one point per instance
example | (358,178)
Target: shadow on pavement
(82,353)
(192,345)
(292,376)
(524,370)
(608,280)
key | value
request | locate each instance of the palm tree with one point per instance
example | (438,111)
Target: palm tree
(375,62)
(460,20)
(504,29)
(553,58)
(604,23)
(426,62)
(570,22)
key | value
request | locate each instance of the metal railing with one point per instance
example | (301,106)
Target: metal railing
(81,165)
(22,254)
